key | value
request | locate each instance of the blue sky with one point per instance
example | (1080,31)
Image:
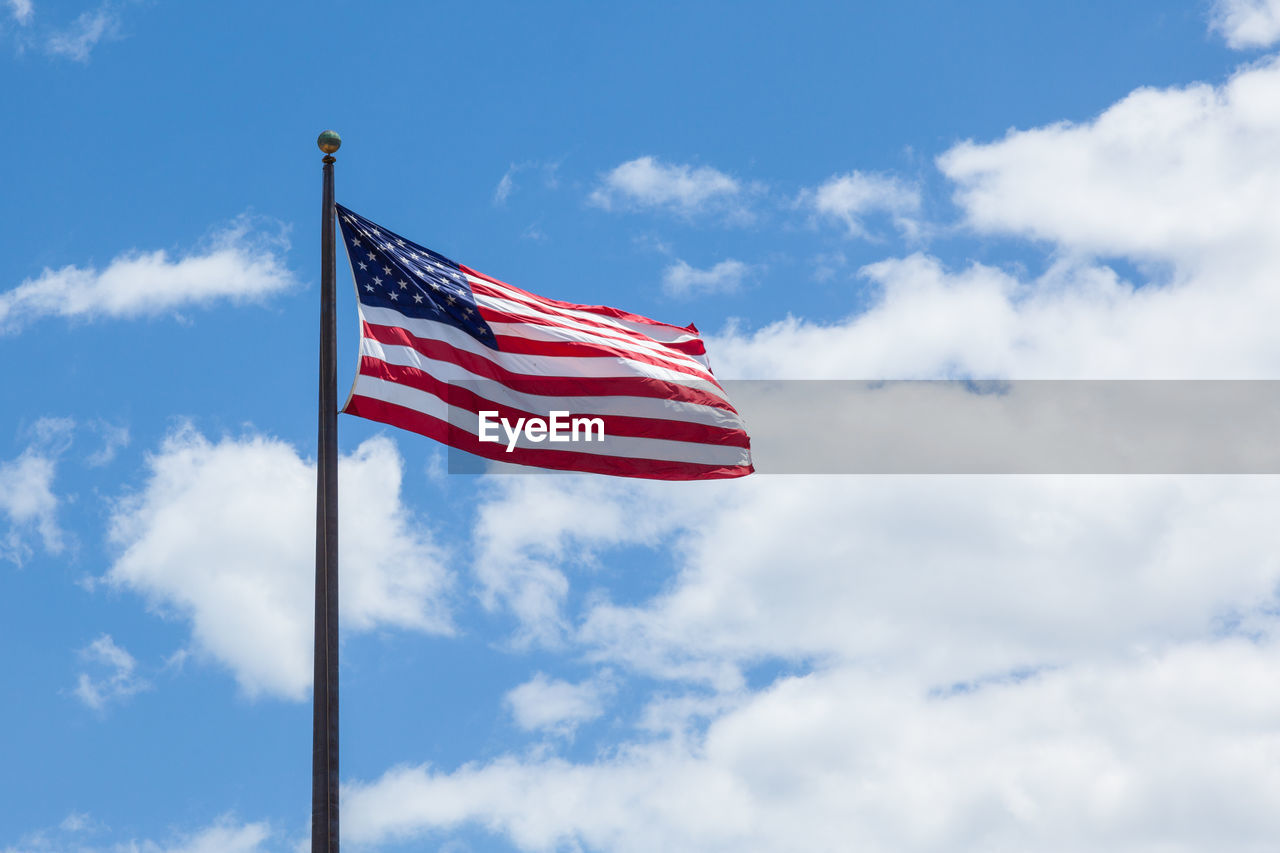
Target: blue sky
(996,189)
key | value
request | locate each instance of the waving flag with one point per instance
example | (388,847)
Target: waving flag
(504,374)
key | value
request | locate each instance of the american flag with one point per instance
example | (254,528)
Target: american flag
(441,343)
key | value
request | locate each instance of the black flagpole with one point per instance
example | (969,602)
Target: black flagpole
(324,732)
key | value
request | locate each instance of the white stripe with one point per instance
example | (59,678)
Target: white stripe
(609,336)
(562,334)
(623,447)
(663,332)
(492,389)
(534,365)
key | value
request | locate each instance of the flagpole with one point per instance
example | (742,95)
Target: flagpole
(324,732)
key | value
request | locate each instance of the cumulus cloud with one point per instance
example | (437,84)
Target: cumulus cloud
(240,264)
(1021,571)
(1183,176)
(77,41)
(521,558)
(551,704)
(120,681)
(222,535)
(647,182)
(27,499)
(1074,759)
(1075,321)
(1247,23)
(852,197)
(969,663)
(727,276)
(22,11)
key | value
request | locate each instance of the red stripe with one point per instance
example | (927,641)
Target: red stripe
(585,386)
(630,426)
(691,347)
(560,460)
(603,310)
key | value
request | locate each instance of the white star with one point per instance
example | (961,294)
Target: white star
(394,295)
(362,265)
(372,257)
(450,300)
(355,242)
(404,285)
(377,280)
(387,270)
(369,287)
(417,297)
(399,242)
(435,285)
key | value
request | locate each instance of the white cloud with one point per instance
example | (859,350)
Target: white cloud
(852,197)
(27,499)
(646,182)
(114,438)
(1247,23)
(504,187)
(222,534)
(121,680)
(727,276)
(22,11)
(1082,758)
(77,41)
(225,835)
(521,558)
(240,264)
(1181,181)
(1020,571)
(993,663)
(507,185)
(1185,177)
(551,704)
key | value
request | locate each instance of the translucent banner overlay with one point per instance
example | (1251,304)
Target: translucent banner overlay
(963,427)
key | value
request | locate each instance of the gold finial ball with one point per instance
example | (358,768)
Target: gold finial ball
(329,141)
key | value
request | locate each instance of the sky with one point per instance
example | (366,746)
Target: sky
(992,190)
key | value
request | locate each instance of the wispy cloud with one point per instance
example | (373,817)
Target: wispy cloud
(1247,23)
(241,263)
(78,40)
(81,833)
(647,182)
(22,11)
(120,681)
(27,499)
(727,276)
(852,197)
(114,437)
(507,185)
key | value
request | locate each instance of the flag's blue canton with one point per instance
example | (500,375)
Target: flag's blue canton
(392,272)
